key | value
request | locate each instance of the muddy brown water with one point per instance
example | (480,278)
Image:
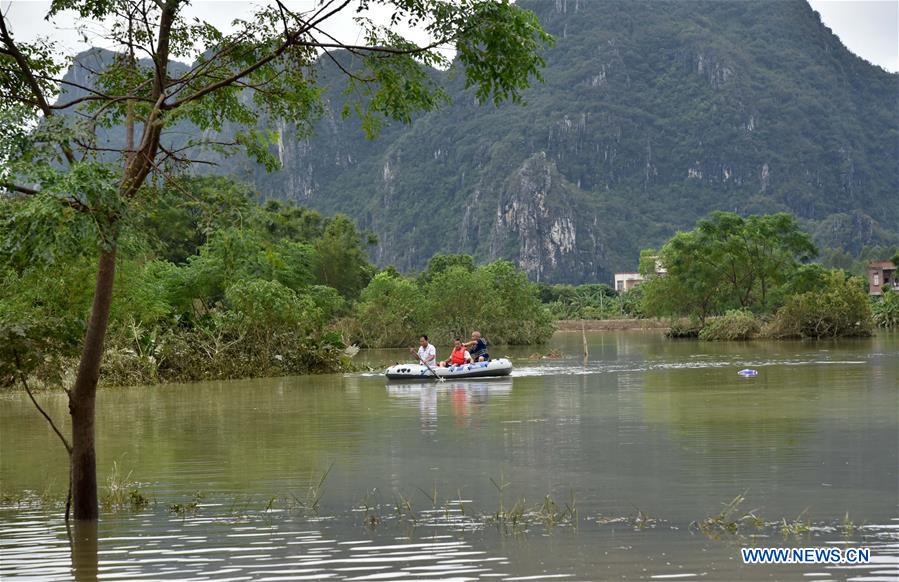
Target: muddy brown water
(648,437)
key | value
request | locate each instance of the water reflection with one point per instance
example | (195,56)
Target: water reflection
(84,539)
(260,547)
(465,398)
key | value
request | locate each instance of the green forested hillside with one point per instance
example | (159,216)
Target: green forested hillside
(652,115)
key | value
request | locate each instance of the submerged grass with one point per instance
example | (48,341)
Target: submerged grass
(796,527)
(513,516)
(520,516)
(730,520)
(310,501)
(122,493)
(510,517)
(48,498)
(188,507)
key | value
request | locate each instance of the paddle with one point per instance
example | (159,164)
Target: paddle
(439,378)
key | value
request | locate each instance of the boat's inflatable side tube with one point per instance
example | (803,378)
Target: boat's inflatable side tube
(493,368)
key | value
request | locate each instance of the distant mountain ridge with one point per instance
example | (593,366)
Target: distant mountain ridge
(652,114)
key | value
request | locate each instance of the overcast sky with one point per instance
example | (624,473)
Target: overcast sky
(869,28)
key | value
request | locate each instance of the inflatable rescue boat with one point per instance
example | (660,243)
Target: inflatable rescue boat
(493,368)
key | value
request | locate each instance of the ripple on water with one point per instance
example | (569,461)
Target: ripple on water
(288,550)
(40,550)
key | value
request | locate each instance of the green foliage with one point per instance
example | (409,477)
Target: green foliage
(341,261)
(684,328)
(499,53)
(244,292)
(328,303)
(856,264)
(495,299)
(178,219)
(840,307)
(43,313)
(589,301)
(690,286)
(440,263)
(452,300)
(632,302)
(736,324)
(391,312)
(264,308)
(247,298)
(886,310)
(728,262)
(509,307)
(752,265)
(40,230)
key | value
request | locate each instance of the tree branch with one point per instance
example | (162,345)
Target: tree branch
(172,155)
(24,381)
(30,79)
(289,40)
(18,188)
(110,100)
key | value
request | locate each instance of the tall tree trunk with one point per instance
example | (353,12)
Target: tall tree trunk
(83,395)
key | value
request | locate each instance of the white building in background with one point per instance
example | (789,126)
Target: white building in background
(627,281)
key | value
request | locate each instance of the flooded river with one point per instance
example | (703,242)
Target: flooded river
(600,470)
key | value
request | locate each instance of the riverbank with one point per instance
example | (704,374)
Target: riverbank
(611,324)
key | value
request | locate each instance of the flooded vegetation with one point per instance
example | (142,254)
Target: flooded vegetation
(654,460)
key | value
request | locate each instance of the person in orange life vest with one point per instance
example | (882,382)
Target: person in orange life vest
(459,355)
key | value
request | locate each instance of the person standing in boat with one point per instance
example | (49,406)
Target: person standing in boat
(458,357)
(478,347)
(427,353)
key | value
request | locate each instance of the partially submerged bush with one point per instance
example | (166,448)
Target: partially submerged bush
(684,328)
(886,310)
(220,350)
(736,324)
(839,308)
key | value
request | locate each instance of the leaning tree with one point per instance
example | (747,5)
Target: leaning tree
(264,67)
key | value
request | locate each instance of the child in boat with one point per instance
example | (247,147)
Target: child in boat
(458,357)
(478,347)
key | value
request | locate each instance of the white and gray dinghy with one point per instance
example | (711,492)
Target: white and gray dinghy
(492,369)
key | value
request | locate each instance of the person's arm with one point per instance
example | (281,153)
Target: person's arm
(467,357)
(467,345)
(430,354)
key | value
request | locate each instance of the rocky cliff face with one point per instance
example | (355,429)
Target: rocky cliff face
(536,221)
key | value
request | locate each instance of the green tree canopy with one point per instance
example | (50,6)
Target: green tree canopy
(726,262)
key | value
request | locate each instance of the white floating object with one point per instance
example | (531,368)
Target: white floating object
(748,373)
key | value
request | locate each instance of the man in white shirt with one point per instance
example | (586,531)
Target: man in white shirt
(427,353)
